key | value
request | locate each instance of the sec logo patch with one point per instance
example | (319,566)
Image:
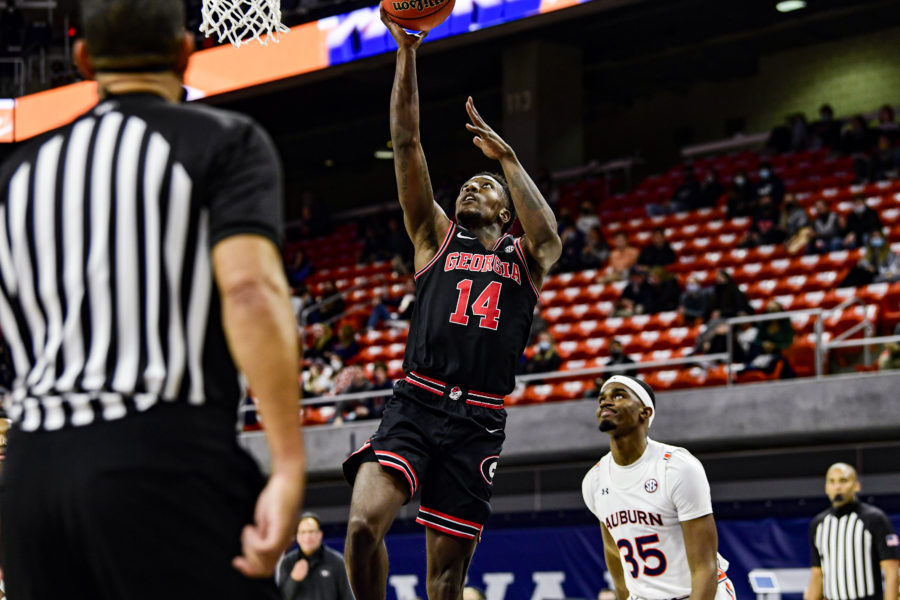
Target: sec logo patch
(650,486)
(488,468)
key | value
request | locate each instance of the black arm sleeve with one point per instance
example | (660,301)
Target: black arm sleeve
(246,186)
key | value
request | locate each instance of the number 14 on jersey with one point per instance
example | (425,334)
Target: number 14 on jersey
(484,306)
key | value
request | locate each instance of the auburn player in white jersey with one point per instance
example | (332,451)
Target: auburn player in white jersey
(654,506)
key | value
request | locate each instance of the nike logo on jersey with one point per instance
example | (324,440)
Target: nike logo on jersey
(494,430)
(465,237)
(483,263)
(632,516)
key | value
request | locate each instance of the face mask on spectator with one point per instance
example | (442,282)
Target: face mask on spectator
(765,173)
(877,242)
(543,345)
(739,180)
(692,287)
(859,209)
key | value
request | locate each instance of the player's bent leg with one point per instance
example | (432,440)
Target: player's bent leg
(377,496)
(448,562)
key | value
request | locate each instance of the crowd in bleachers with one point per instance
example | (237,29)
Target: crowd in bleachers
(806,226)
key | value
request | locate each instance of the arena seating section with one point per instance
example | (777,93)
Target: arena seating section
(577,307)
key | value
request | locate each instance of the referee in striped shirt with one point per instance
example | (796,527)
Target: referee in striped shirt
(852,543)
(139,274)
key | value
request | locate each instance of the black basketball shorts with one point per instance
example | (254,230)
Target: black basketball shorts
(148,507)
(443,440)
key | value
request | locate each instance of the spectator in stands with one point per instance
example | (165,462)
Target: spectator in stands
(726,298)
(635,295)
(779,140)
(621,258)
(856,137)
(538,324)
(663,291)
(879,263)
(374,249)
(301,299)
(765,228)
(796,225)
(799,132)
(323,340)
(401,249)
(617,357)
(317,379)
(546,358)
(742,197)
(883,163)
(299,269)
(595,251)
(826,132)
(380,378)
(860,223)
(827,228)
(687,196)
(346,345)
(770,185)
(772,339)
(710,189)
(693,305)
(886,124)
(889,357)
(394,312)
(713,338)
(658,252)
(572,244)
(594,392)
(587,218)
(331,303)
(351,380)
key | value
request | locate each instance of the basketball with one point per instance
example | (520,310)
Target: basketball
(418,15)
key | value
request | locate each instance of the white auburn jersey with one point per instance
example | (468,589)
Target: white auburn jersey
(642,505)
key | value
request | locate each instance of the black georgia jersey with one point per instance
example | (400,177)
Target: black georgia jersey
(473,313)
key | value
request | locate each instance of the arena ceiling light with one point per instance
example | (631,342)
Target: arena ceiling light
(384,154)
(790,5)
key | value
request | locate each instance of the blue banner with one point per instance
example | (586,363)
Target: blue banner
(557,563)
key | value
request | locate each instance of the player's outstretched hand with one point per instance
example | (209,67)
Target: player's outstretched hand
(486,138)
(275,518)
(403,38)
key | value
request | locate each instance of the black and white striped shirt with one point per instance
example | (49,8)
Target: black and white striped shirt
(849,543)
(107,297)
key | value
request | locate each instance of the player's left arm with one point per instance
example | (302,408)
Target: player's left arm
(701,542)
(890,568)
(541,240)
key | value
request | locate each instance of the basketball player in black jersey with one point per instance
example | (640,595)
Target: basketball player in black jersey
(477,286)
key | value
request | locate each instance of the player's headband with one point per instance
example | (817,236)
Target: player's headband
(635,387)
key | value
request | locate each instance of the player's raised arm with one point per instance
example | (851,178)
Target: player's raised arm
(541,239)
(424,219)
(701,542)
(614,564)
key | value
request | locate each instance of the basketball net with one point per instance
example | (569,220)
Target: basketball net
(240,21)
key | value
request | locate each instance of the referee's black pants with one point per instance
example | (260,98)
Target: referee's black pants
(147,507)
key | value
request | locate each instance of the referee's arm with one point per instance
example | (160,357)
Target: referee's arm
(262,337)
(890,568)
(816,584)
